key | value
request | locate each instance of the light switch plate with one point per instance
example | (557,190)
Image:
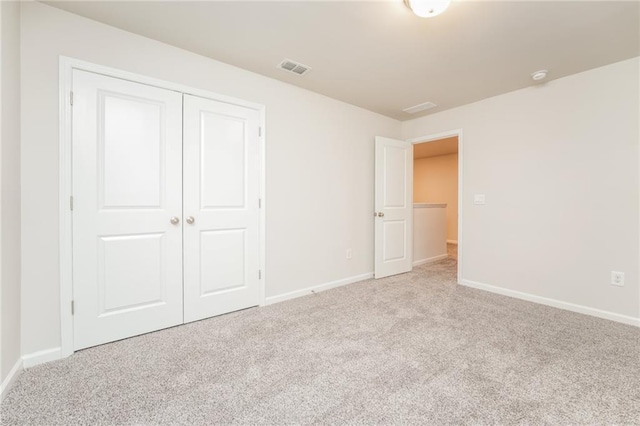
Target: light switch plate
(478,199)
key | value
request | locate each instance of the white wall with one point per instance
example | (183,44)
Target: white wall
(429,233)
(315,209)
(10,189)
(558,163)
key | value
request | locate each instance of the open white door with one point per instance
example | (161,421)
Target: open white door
(393,207)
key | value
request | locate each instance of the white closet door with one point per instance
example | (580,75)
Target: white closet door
(221,177)
(127,186)
(394,207)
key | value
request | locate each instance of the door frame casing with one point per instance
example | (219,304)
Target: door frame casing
(432,138)
(66,67)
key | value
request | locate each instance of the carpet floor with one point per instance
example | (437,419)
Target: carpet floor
(409,349)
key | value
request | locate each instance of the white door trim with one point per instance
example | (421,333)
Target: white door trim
(442,135)
(67,65)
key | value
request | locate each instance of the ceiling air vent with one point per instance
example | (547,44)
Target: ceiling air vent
(420,107)
(294,67)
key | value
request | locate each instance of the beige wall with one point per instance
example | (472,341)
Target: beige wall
(10,189)
(429,234)
(435,180)
(558,163)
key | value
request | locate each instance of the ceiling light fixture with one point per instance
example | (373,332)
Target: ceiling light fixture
(427,8)
(539,75)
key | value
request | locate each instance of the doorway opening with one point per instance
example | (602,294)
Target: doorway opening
(394,234)
(436,195)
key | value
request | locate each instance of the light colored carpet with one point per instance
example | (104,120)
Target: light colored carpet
(410,349)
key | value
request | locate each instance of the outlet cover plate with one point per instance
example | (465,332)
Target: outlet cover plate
(617,278)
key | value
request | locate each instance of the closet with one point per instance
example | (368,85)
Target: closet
(165,208)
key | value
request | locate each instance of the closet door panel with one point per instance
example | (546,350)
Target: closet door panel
(127,185)
(221,190)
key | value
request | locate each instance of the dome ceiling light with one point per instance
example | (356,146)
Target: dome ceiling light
(427,8)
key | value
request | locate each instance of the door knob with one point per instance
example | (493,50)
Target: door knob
(380,214)
(175,220)
(190,220)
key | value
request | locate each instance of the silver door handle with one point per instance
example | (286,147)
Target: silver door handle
(380,214)
(190,220)
(174,220)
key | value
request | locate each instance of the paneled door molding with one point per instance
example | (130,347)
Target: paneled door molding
(393,207)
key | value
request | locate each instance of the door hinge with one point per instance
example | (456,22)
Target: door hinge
(260,131)
(259,203)
(71,203)
(71,98)
(259,274)
(73,310)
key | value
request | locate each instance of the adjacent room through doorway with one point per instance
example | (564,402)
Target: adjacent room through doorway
(435,198)
(418,184)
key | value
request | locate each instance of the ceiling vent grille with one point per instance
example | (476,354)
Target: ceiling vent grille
(420,107)
(294,67)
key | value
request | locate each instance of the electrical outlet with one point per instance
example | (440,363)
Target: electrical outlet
(349,254)
(617,278)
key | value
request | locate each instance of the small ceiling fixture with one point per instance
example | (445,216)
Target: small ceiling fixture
(420,107)
(294,67)
(539,75)
(427,8)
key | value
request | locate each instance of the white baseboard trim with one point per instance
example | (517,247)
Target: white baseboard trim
(318,288)
(8,382)
(40,357)
(452,242)
(430,259)
(554,303)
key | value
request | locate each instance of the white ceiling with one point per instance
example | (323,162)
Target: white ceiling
(381,57)
(435,148)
